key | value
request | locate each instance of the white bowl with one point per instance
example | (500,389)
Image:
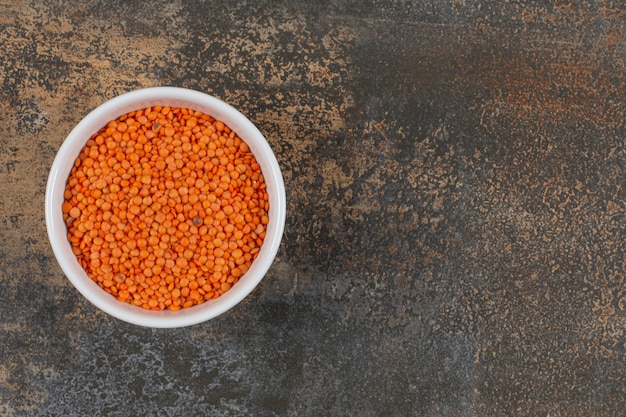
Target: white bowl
(173,97)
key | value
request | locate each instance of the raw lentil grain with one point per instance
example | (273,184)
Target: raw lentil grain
(165,208)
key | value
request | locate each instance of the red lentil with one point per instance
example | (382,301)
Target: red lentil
(165,208)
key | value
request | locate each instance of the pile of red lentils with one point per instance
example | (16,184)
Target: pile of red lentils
(166,208)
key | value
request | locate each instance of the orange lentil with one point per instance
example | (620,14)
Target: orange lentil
(74,212)
(165,208)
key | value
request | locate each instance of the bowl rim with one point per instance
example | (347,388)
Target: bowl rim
(173,97)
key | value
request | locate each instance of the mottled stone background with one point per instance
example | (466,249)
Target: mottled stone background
(456,208)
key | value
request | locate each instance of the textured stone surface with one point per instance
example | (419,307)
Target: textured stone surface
(455,237)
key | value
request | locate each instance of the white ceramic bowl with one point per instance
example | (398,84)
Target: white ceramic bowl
(173,97)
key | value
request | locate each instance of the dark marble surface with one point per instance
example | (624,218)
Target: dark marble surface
(455,184)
